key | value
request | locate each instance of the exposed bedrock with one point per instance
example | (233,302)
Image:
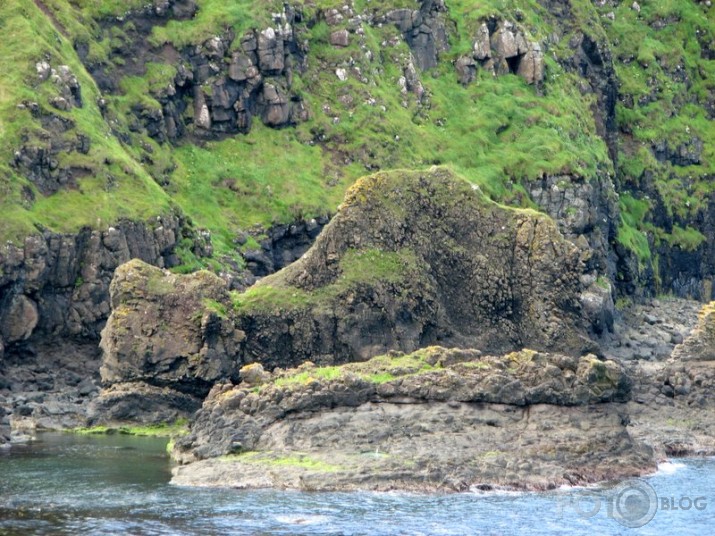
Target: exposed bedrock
(168,330)
(166,342)
(414,258)
(410,259)
(437,419)
(56,285)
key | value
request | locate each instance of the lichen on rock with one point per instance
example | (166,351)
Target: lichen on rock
(437,419)
(414,258)
(168,330)
(700,345)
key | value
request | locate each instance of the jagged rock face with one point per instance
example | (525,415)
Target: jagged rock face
(587,214)
(58,285)
(230,80)
(502,48)
(424,29)
(168,330)
(444,419)
(448,266)
(581,208)
(700,345)
(40,161)
(284,244)
(688,272)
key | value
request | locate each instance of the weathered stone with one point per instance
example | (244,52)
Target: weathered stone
(277,110)
(503,41)
(253,374)
(271,55)
(444,408)
(168,330)
(700,345)
(18,319)
(531,65)
(482,44)
(423,301)
(241,68)
(138,402)
(340,38)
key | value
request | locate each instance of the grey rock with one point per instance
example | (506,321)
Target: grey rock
(340,38)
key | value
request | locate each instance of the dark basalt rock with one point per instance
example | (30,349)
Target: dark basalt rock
(424,30)
(58,285)
(463,270)
(168,330)
(447,420)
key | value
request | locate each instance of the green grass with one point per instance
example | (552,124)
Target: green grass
(499,133)
(276,460)
(179,427)
(378,370)
(117,185)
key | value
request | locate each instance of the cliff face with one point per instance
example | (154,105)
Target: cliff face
(191,133)
(124,112)
(410,258)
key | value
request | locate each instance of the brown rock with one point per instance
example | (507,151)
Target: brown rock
(19,319)
(700,345)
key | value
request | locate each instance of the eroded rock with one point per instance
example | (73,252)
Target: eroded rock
(167,330)
(700,345)
(413,258)
(435,420)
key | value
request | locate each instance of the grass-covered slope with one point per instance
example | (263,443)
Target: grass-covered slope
(362,115)
(114,184)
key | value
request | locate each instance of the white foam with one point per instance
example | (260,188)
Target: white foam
(302,519)
(669,468)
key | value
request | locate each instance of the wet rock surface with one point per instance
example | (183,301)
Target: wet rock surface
(525,420)
(47,387)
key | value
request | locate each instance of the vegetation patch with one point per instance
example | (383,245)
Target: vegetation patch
(177,428)
(278,460)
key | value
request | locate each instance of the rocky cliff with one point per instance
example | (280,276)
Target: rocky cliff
(195,134)
(126,110)
(411,258)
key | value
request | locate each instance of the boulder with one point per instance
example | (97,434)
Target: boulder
(168,330)
(18,319)
(340,38)
(138,402)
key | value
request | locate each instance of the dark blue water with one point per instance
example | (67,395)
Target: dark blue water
(66,484)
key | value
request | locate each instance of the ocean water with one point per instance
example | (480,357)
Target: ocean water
(68,484)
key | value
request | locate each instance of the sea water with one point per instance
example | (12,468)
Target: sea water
(70,484)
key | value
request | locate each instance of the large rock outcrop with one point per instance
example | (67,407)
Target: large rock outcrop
(414,258)
(168,330)
(500,47)
(437,419)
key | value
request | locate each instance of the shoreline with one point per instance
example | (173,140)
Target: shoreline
(651,418)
